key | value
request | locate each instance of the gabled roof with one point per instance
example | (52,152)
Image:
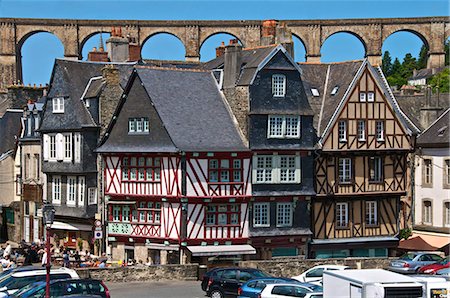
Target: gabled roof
(10,128)
(438,133)
(69,80)
(93,88)
(343,75)
(191,108)
(425,73)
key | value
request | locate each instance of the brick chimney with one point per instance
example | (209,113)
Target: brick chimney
(232,64)
(134,49)
(268,32)
(98,55)
(220,50)
(117,46)
(110,96)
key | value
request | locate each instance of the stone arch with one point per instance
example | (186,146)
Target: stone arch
(204,36)
(302,41)
(85,38)
(147,32)
(162,33)
(353,33)
(413,31)
(207,50)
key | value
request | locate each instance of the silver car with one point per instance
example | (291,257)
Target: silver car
(412,261)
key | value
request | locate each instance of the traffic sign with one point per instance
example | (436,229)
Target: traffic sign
(98,223)
(98,234)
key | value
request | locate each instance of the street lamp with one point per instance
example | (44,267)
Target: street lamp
(49,216)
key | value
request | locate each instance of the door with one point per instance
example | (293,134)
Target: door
(230,283)
(26,231)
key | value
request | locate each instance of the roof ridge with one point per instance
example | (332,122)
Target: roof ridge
(259,47)
(170,68)
(328,63)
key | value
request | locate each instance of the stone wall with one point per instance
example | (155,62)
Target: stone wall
(294,266)
(150,273)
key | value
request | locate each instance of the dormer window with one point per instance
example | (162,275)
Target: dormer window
(278,85)
(315,92)
(335,90)
(138,125)
(283,127)
(58,105)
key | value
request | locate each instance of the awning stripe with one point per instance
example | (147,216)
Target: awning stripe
(223,250)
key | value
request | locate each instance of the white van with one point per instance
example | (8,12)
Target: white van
(435,286)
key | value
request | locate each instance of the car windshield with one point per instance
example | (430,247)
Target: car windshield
(260,274)
(408,257)
(315,288)
(25,289)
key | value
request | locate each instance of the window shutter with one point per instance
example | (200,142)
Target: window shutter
(45,146)
(298,169)
(77,144)
(59,146)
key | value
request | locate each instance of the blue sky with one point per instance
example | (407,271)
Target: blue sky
(40,49)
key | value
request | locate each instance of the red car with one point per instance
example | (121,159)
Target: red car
(432,268)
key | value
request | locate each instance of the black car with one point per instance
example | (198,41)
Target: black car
(222,282)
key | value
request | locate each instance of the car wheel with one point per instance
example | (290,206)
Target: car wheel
(216,293)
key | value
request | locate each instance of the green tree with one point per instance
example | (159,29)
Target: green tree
(386,64)
(396,67)
(440,82)
(408,65)
(423,58)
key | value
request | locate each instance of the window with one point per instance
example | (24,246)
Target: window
(92,195)
(58,105)
(362,96)
(138,125)
(278,85)
(261,214)
(341,215)
(284,127)
(60,147)
(36,123)
(371,213)
(361,130)
(315,92)
(71,185)
(67,147)
(447,214)
(379,127)
(81,190)
(126,213)
(141,169)
(116,213)
(52,146)
(376,169)
(56,189)
(342,131)
(29,125)
(225,170)
(276,169)
(335,90)
(446,173)
(427,212)
(345,170)
(284,214)
(222,214)
(427,172)
(370,97)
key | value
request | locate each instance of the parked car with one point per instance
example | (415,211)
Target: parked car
(10,283)
(65,288)
(221,282)
(432,268)
(411,262)
(253,287)
(445,271)
(288,290)
(314,275)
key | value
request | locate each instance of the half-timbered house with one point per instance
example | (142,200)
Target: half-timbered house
(177,171)
(265,91)
(362,165)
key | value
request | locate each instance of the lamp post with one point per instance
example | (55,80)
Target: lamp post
(49,215)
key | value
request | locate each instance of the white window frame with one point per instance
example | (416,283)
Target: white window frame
(279,126)
(56,190)
(275,170)
(92,195)
(77,147)
(284,216)
(29,121)
(67,147)
(345,170)
(342,215)
(362,96)
(446,173)
(58,105)
(278,85)
(261,215)
(52,147)
(370,96)
(377,168)
(427,213)
(379,130)
(427,171)
(446,214)
(361,130)
(371,213)
(138,125)
(342,131)
(288,168)
(71,190)
(81,190)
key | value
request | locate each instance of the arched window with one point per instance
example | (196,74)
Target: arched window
(427,212)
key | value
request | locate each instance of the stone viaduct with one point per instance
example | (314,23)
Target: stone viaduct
(73,34)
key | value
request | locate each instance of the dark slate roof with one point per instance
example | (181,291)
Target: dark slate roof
(94,87)
(69,79)
(315,76)
(425,73)
(250,60)
(437,134)
(192,109)
(10,127)
(172,63)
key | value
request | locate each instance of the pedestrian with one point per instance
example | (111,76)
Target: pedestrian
(7,251)
(66,259)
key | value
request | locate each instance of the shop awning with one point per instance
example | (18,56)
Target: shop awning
(59,225)
(421,242)
(222,250)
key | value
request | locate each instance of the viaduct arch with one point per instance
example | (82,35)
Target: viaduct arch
(313,33)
